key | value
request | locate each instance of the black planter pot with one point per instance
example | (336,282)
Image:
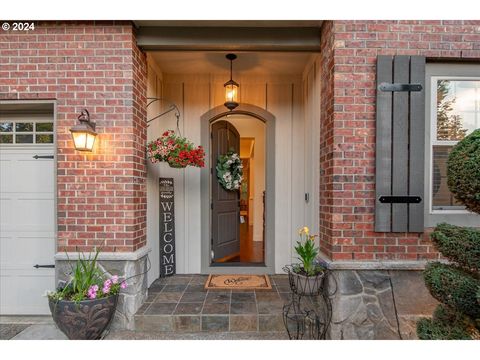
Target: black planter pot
(305,285)
(84,320)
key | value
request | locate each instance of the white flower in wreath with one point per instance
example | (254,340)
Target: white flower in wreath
(229,171)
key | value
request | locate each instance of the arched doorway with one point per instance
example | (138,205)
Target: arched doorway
(219,244)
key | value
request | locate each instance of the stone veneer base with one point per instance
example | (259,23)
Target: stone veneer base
(377,304)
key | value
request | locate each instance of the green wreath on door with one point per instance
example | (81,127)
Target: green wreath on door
(230,171)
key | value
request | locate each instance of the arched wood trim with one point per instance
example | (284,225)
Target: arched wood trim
(243,109)
(205,121)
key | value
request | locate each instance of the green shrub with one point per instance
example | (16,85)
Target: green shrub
(446,324)
(428,329)
(457,286)
(463,171)
(459,244)
(454,287)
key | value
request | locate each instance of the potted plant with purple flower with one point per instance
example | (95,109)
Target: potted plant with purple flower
(83,307)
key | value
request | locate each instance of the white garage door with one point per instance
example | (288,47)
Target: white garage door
(27,225)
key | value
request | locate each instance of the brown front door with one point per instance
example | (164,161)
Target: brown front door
(225,204)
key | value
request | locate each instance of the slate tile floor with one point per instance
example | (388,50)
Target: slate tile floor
(180,303)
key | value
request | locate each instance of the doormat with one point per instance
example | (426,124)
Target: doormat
(247,282)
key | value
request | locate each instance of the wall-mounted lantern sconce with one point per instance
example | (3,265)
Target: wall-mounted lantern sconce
(84,133)
(231,87)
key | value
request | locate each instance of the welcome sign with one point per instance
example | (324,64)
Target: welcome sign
(167,227)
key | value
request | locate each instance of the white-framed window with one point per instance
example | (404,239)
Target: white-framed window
(25,131)
(452,112)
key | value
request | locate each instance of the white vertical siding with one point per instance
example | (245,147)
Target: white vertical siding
(311,107)
(300,170)
(283,96)
(197,100)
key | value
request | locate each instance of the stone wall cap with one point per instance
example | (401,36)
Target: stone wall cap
(126,256)
(373,265)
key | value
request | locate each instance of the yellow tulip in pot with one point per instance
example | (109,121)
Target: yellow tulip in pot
(307,277)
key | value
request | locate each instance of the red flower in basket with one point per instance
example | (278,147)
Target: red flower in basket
(176,150)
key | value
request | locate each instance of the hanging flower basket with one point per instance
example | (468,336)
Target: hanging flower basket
(177,151)
(230,171)
(176,165)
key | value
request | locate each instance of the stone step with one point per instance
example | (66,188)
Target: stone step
(181,304)
(209,323)
(217,335)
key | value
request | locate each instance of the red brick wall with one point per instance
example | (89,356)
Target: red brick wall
(347,165)
(93,65)
(327,202)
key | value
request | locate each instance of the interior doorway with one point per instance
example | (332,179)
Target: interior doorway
(238,216)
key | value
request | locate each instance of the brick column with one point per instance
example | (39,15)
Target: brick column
(101,196)
(347,163)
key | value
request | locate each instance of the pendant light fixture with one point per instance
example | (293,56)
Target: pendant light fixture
(231,87)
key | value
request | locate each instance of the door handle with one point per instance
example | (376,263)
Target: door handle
(36,157)
(44,266)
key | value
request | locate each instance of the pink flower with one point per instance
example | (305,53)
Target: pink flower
(123,285)
(92,292)
(106,286)
(114,279)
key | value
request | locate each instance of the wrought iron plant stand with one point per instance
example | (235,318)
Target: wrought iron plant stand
(308,314)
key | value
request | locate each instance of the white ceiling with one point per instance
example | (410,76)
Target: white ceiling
(264,63)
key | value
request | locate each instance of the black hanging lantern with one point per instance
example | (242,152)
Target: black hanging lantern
(84,133)
(231,87)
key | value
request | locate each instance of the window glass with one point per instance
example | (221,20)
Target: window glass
(23,126)
(44,139)
(458,108)
(442,198)
(6,139)
(6,126)
(26,132)
(24,139)
(44,127)
(457,115)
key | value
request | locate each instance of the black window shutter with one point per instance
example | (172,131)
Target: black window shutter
(400,144)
